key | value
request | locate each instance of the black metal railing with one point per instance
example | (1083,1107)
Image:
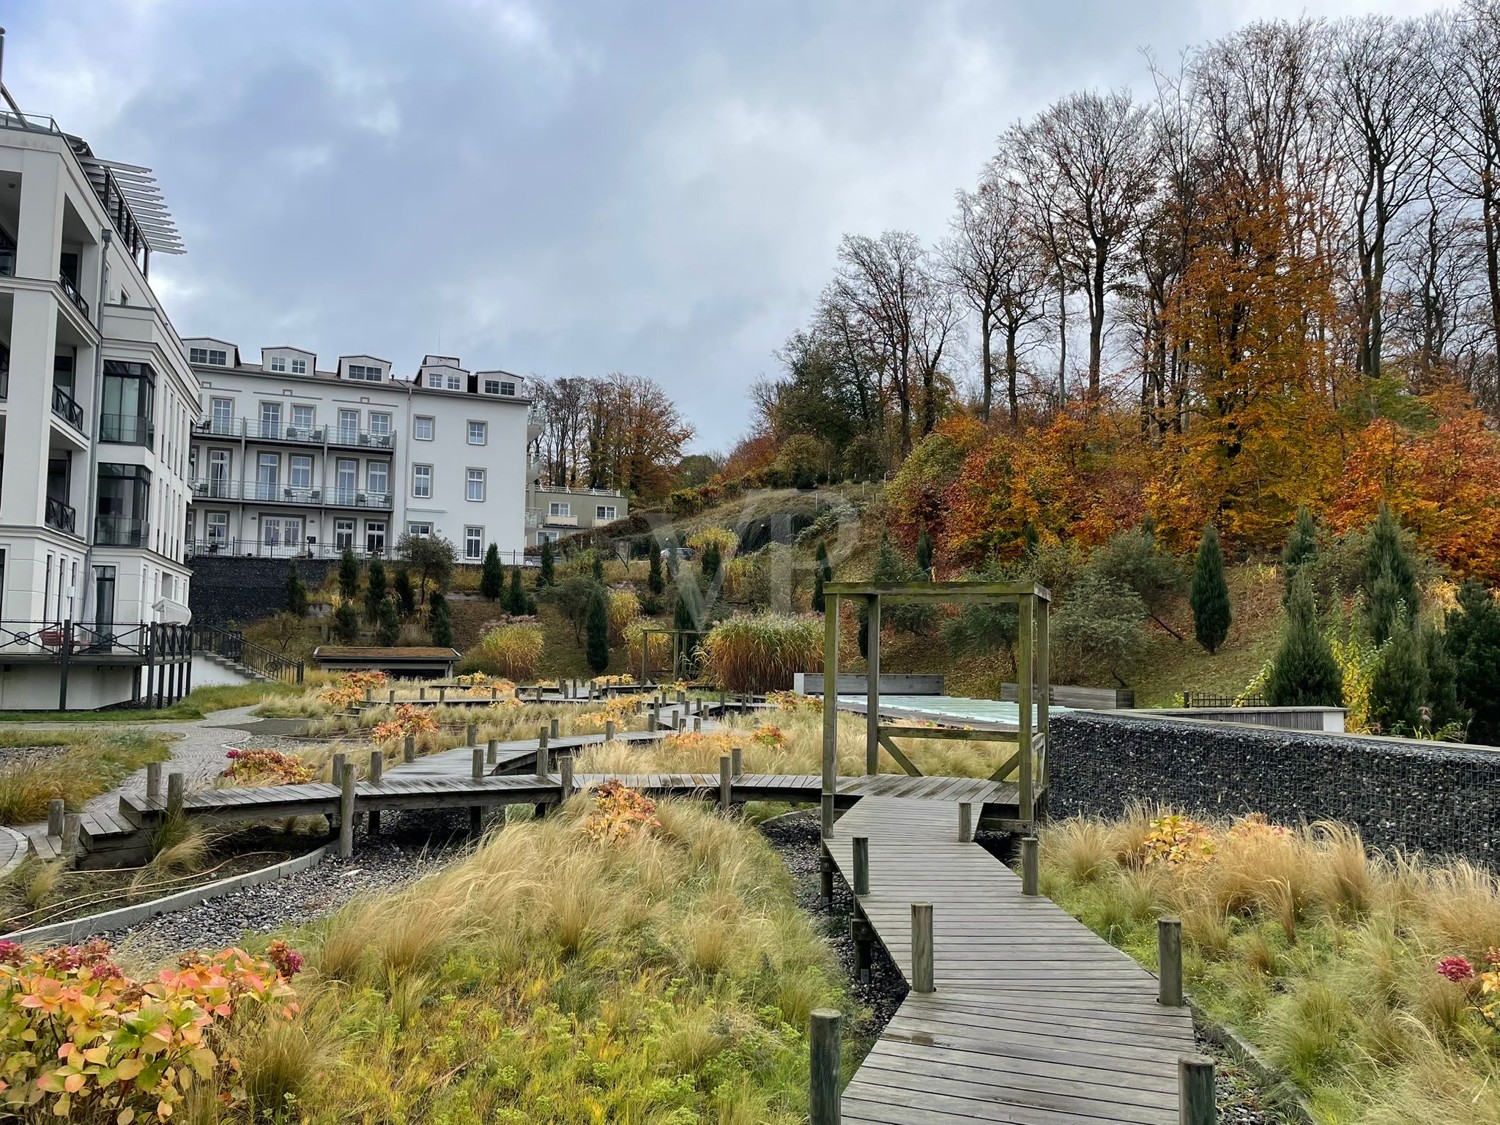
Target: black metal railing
(7,263)
(61,516)
(163,652)
(127,429)
(274,492)
(254,429)
(1207,700)
(232,645)
(121,531)
(70,290)
(66,409)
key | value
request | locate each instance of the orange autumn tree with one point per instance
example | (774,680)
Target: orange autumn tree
(1250,315)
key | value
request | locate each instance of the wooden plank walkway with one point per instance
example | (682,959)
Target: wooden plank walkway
(1035,1020)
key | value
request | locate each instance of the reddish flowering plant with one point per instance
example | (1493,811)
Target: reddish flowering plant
(1483,985)
(619,813)
(1456,969)
(409,720)
(261,766)
(350,688)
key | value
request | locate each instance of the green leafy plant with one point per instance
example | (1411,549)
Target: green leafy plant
(1209,593)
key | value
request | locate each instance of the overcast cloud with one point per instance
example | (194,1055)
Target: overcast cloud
(563,189)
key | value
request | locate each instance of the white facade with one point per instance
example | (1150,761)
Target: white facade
(97,402)
(292,460)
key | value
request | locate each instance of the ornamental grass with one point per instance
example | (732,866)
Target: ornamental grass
(1345,967)
(760,653)
(512,651)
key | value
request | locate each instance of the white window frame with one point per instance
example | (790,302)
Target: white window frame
(473,536)
(343,533)
(380,423)
(364,373)
(492,386)
(508,389)
(455,383)
(291,475)
(483,432)
(422,529)
(606,512)
(472,477)
(416,427)
(278,363)
(372,529)
(216,522)
(299,367)
(559,508)
(384,469)
(213,415)
(421,482)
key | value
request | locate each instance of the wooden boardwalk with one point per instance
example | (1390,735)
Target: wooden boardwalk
(1034,1019)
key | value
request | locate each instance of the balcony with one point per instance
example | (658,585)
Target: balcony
(121,531)
(360,439)
(269,492)
(7,263)
(66,409)
(127,429)
(552,520)
(60,516)
(71,292)
(255,430)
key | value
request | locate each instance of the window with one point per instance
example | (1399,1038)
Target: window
(378,475)
(605,512)
(422,428)
(420,530)
(478,433)
(473,543)
(270,419)
(267,475)
(508,389)
(278,363)
(559,508)
(126,408)
(299,367)
(301,472)
(216,527)
(421,481)
(365,372)
(302,418)
(348,426)
(281,533)
(380,425)
(221,413)
(455,383)
(214,356)
(476,485)
(375,536)
(218,472)
(492,386)
(343,534)
(347,477)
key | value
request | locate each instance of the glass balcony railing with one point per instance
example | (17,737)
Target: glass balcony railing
(60,516)
(70,290)
(121,531)
(127,429)
(275,492)
(259,429)
(66,409)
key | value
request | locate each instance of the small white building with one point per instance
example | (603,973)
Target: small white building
(97,401)
(293,460)
(555,512)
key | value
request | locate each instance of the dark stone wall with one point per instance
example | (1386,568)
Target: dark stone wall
(1441,798)
(226,588)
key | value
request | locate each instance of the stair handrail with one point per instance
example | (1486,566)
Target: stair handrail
(232,645)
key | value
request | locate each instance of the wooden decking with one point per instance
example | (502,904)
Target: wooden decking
(1034,1020)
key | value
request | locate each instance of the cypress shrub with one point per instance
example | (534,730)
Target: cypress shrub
(1304,672)
(1209,594)
(375,590)
(492,574)
(346,623)
(1473,641)
(348,575)
(1398,689)
(545,575)
(296,592)
(439,620)
(517,599)
(387,623)
(1301,547)
(1390,578)
(596,648)
(405,592)
(654,580)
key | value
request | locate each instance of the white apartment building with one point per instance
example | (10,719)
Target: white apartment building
(289,459)
(97,401)
(556,511)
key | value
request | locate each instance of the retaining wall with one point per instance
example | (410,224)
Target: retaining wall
(240,589)
(1438,797)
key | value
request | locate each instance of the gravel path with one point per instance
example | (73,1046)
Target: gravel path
(795,839)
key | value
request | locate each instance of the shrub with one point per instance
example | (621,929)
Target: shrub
(619,813)
(739,585)
(375,592)
(655,583)
(408,720)
(1398,691)
(492,574)
(512,651)
(573,599)
(709,567)
(1473,640)
(1304,672)
(1099,627)
(440,620)
(431,557)
(1390,577)
(724,542)
(624,607)
(387,623)
(822,575)
(266,767)
(545,575)
(296,592)
(405,594)
(1301,548)
(518,602)
(80,1041)
(1132,559)
(597,628)
(760,653)
(346,623)
(348,575)
(349,689)
(1209,595)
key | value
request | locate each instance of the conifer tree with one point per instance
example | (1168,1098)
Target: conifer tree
(1398,688)
(1473,641)
(296,592)
(439,620)
(822,572)
(375,590)
(1301,547)
(544,575)
(924,553)
(598,568)
(1442,681)
(346,623)
(516,600)
(1209,595)
(709,567)
(387,623)
(1303,671)
(405,593)
(654,580)
(597,631)
(492,574)
(1390,578)
(348,575)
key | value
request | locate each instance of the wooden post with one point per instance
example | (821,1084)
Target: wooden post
(72,824)
(1030,871)
(346,810)
(726,772)
(176,790)
(471,734)
(965,822)
(737,762)
(862,933)
(680,722)
(153,782)
(823,1085)
(377,772)
(422,693)
(369,695)
(56,811)
(476,765)
(492,752)
(409,749)
(552,727)
(609,730)
(921,947)
(1041,661)
(830,710)
(565,768)
(1169,962)
(825,875)
(1023,707)
(1196,1100)
(391,698)
(541,756)
(861,866)
(494,694)
(872,687)
(697,722)
(335,772)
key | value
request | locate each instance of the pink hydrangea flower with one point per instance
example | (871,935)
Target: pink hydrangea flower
(1455,969)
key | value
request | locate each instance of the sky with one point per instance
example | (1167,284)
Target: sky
(571,188)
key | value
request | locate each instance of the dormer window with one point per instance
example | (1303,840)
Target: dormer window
(508,389)
(364,372)
(278,363)
(492,386)
(455,383)
(299,367)
(214,356)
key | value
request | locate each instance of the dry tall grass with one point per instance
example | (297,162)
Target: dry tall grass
(549,977)
(1318,951)
(512,651)
(761,652)
(93,763)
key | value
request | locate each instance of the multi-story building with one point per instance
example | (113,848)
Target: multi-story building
(97,401)
(289,459)
(555,512)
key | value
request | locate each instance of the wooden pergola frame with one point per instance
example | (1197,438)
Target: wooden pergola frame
(1028,763)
